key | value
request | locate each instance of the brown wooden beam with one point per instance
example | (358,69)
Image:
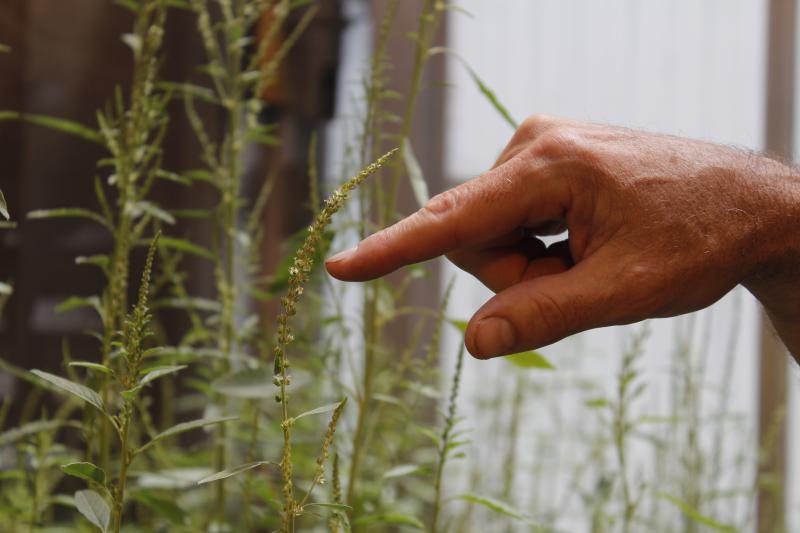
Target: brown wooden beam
(773,368)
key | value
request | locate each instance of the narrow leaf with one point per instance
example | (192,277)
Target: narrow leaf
(182,245)
(94,508)
(92,366)
(155,373)
(76,389)
(335,506)
(31,428)
(695,515)
(163,506)
(418,184)
(390,518)
(252,384)
(319,410)
(184,427)
(4,206)
(495,505)
(68,212)
(85,471)
(60,124)
(529,359)
(493,99)
(229,472)
(401,470)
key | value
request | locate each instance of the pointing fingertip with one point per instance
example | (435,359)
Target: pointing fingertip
(341,256)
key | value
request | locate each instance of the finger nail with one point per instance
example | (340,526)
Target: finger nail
(495,336)
(341,256)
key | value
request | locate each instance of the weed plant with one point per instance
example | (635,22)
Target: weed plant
(223,428)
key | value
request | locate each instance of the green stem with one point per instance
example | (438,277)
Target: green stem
(427,26)
(124,462)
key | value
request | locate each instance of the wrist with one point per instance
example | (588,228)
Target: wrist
(775,276)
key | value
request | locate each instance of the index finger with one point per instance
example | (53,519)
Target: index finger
(515,194)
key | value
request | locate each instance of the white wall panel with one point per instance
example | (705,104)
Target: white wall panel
(687,67)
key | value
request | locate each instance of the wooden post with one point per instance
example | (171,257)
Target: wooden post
(772,379)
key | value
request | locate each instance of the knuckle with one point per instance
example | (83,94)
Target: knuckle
(537,123)
(560,142)
(442,203)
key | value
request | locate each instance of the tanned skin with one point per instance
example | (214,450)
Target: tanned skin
(658,226)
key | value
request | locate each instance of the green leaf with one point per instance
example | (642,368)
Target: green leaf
(60,124)
(418,184)
(155,211)
(76,302)
(695,515)
(184,427)
(93,366)
(164,506)
(157,372)
(94,508)
(85,471)
(255,383)
(76,389)
(335,506)
(68,212)
(133,41)
(401,470)
(128,4)
(4,48)
(4,206)
(229,472)
(460,325)
(195,304)
(390,518)
(495,505)
(182,245)
(493,99)
(319,410)
(529,359)
(31,428)
(99,260)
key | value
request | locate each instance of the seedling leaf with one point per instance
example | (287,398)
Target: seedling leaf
(94,508)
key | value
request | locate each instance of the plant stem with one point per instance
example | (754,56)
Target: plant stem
(124,462)
(444,447)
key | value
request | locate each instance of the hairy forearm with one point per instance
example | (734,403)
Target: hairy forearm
(776,280)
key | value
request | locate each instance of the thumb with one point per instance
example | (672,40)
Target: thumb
(544,310)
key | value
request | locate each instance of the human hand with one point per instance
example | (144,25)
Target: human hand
(657,226)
